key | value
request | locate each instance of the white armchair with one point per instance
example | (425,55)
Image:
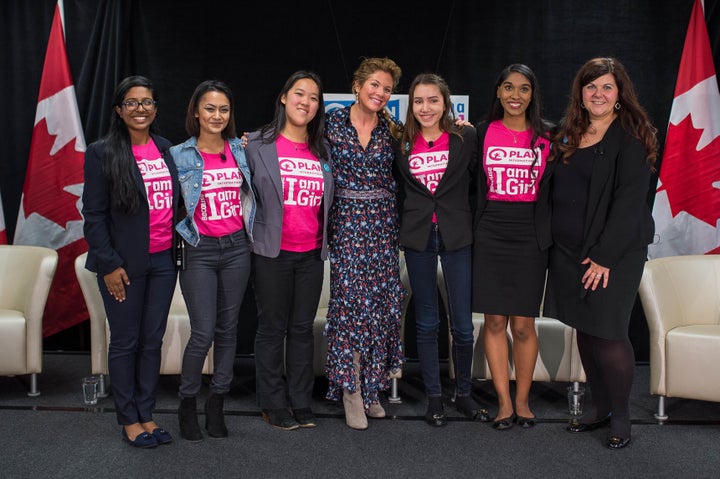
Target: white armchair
(176,336)
(26,274)
(681,300)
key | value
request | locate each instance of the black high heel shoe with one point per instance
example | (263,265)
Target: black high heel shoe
(589,426)
(504,423)
(617,442)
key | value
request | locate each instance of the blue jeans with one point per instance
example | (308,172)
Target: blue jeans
(287,293)
(213,284)
(422,272)
(137,327)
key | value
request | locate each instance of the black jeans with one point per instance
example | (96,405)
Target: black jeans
(287,292)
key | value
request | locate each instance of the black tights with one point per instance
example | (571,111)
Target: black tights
(609,366)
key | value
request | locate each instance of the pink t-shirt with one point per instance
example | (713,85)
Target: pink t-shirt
(508,162)
(158,187)
(219,209)
(303,187)
(428,163)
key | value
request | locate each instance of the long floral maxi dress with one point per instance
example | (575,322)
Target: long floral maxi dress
(366,293)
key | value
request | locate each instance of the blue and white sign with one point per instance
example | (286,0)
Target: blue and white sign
(397,104)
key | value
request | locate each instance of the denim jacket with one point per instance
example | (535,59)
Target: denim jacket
(190,173)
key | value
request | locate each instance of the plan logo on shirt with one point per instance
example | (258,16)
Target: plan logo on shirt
(302,181)
(428,168)
(512,156)
(153,168)
(222,178)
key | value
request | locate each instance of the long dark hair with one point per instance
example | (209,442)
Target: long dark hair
(447,122)
(118,164)
(533,113)
(192,124)
(315,128)
(631,114)
(541,128)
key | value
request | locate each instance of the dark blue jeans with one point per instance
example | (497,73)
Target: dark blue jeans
(137,327)
(287,292)
(213,284)
(422,272)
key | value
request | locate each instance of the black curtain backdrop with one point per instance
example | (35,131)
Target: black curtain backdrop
(254,46)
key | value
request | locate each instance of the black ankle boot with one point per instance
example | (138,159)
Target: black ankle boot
(462,363)
(187,415)
(214,418)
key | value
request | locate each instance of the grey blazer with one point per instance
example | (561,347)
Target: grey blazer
(262,159)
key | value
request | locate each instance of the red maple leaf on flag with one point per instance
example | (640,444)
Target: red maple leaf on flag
(50,209)
(687,200)
(690,177)
(55,179)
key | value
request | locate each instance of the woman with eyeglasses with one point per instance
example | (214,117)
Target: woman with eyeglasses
(130,201)
(216,233)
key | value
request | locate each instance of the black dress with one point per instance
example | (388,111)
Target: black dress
(605,312)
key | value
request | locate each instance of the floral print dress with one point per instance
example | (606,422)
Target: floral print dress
(366,293)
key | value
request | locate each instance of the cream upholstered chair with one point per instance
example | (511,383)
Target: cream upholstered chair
(321,320)
(558,356)
(26,274)
(176,336)
(680,296)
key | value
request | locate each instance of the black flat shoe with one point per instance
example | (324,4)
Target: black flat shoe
(471,409)
(144,440)
(589,426)
(504,423)
(617,442)
(526,422)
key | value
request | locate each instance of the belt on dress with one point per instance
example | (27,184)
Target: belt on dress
(363,194)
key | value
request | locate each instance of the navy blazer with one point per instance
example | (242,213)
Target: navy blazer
(452,201)
(262,158)
(116,238)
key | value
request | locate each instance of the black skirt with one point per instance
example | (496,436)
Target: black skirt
(508,265)
(603,313)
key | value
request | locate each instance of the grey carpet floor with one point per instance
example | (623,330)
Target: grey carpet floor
(55,435)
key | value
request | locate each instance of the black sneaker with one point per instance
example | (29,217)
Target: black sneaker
(305,417)
(280,418)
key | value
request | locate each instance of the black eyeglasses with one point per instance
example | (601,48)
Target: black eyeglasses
(148,104)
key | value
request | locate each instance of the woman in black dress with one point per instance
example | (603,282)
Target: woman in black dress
(601,226)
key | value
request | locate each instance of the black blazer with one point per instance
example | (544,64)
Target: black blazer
(116,238)
(262,159)
(451,202)
(542,205)
(618,218)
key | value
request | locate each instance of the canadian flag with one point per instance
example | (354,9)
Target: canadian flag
(51,200)
(687,201)
(3,233)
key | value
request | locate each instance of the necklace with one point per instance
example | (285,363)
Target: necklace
(298,145)
(513,133)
